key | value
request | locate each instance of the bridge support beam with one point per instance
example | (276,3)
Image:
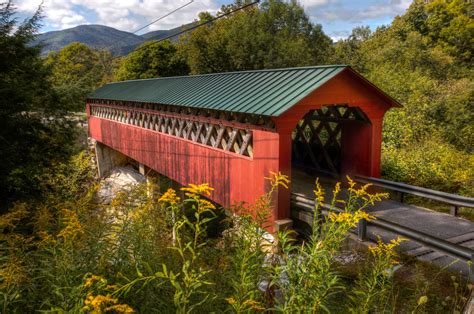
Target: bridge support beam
(108,158)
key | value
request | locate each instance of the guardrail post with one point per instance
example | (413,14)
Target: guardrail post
(362,230)
(454,210)
(402,197)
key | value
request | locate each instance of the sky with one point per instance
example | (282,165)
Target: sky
(338,17)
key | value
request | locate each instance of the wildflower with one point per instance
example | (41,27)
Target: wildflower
(254,305)
(350,219)
(385,250)
(169,197)
(422,300)
(230,300)
(195,190)
(351,183)
(319,192)
(46,238)
(12,273)
(73,227)
(10,219)
(120,308)
(205,204)
(278,179)
(92,279)
(337,189)
(104,303)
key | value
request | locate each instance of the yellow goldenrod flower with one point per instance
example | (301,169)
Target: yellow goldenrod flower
(73,227)
(93,279)
(205,204)
(422,300)
(230,300)
(104,303)
(12,272)
(278,179)
(169,197)
(350,219)
(254,305)
(385,250)
(201,189)
(318,192)
(120,308)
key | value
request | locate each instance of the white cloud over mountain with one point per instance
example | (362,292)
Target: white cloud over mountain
(338,17)
(125,15)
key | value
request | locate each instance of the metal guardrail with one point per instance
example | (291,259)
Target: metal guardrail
(305,209)
(454,200)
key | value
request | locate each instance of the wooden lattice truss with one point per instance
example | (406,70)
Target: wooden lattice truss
(317,137)
(219,134)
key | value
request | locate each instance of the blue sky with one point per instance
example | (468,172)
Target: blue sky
(338,17)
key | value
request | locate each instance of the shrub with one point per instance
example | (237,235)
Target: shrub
(430,164)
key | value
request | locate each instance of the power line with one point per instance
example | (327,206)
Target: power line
(162,17)
(200,25)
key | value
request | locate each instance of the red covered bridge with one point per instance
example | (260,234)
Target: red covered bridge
(231,129)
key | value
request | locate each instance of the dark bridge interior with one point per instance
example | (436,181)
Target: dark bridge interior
(317,139)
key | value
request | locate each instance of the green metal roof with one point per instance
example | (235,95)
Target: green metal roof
(262,92)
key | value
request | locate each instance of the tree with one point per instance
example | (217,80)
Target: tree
(347,51)
(153,59)
(273,35)
(76,70)
(33,134)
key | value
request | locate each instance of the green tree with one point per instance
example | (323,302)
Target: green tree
(32,135)
(423,60)
(153,59)
(347,51)
(273,35)
(450,26)
(76,70)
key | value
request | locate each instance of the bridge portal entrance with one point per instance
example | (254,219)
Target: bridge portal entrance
(318,139)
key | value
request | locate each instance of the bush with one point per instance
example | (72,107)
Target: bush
(430,164)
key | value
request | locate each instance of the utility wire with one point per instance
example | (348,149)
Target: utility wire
(199,25)
(162,17)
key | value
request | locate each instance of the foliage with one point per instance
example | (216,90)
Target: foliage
(432,165)
(306,275)
(274,34)
(33,133)
(372,289)
(423,60)
(79,256)
(153,59)
(76,70)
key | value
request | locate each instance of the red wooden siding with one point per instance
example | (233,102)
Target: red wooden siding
(235,177)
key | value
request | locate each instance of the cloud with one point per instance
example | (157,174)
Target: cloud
(314,3)
(127,15)
(360,14)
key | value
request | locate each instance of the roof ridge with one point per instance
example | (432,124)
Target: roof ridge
(239,72)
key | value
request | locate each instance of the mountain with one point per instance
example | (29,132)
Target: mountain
(160,34)
(100,37)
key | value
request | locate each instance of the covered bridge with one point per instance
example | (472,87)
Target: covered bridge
(231,129)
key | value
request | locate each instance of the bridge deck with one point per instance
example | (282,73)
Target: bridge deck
(450,228)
